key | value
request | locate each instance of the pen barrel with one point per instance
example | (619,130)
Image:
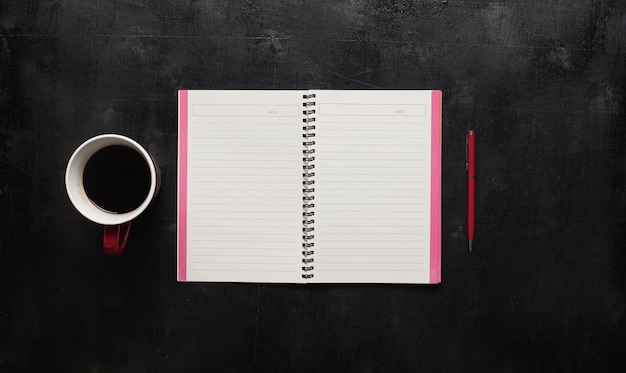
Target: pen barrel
(471,194)
(471,183)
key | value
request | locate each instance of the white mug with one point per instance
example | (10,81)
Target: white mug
(111,179)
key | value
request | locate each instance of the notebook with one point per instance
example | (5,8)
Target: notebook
(313,186)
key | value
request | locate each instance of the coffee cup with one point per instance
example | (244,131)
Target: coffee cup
(111,179)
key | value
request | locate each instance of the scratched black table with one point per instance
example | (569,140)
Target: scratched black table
(542,83)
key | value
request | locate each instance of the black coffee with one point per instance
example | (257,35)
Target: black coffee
(117,178)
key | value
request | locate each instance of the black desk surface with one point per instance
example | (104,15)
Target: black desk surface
(542,82)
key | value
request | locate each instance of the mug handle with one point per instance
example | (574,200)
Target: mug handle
(115,237)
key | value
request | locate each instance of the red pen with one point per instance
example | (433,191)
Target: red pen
(470,167)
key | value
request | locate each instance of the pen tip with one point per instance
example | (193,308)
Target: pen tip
(471,246)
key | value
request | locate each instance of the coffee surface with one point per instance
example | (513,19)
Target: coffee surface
(117,179)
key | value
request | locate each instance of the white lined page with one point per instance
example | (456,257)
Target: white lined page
(372,187)
(244,186)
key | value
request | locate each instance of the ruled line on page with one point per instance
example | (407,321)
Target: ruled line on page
(373,267)
(245,270)
(384,255)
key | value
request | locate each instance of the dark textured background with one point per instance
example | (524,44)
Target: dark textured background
(543,83)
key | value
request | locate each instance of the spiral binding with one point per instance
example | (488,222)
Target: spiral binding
(308,186)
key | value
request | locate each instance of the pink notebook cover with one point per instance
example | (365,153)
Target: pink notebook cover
(435,213)
(435,189)
(183,122)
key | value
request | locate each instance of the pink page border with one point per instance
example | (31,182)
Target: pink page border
(435,190)
(183,122)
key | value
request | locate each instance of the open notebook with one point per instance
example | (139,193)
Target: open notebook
(313,186)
